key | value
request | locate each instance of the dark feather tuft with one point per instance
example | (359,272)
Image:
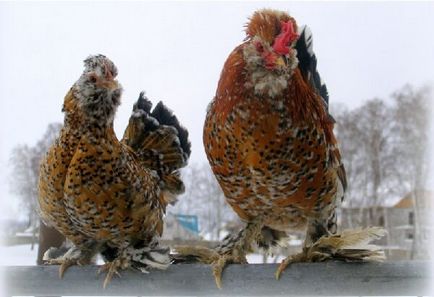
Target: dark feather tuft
(271,238)
(307,63)
(166,117)
(143,103)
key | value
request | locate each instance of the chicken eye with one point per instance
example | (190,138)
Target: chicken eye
(259,47)
(92,77)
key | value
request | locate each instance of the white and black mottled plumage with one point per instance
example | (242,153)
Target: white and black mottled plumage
(109,196)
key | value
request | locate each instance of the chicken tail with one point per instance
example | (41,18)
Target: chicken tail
(160,142)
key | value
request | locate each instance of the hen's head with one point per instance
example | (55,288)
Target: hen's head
(269,54)
(97,91)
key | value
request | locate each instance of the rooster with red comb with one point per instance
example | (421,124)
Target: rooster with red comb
(269,140)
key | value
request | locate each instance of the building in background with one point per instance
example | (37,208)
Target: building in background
(408,224)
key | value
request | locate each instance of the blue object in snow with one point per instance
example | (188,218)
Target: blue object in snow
(189,222)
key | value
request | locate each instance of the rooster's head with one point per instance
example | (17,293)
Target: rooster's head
(269,52)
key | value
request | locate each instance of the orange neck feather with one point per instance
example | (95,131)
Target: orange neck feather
(306,105)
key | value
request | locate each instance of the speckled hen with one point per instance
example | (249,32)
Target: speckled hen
(109,196)
(269,140)
(268,135)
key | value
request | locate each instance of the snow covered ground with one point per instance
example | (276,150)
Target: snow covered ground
(18,255)
(23,255)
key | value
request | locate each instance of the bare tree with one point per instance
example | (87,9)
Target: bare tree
(25,162)
(24,179)
(384,149)
(365,135)
(412,125)
(205,199)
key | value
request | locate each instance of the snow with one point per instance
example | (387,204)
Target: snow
(18,255)
(23,255)
(258,259)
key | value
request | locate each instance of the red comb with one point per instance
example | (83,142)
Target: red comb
(285,38)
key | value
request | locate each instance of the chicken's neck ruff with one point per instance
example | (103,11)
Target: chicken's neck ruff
(98,104)
(73,117)
(264,76)
(97,91)
(72,120)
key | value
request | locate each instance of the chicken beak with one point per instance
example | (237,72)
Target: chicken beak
(111,83)
(281,61)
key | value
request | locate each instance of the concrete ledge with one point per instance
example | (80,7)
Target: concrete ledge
(330,278)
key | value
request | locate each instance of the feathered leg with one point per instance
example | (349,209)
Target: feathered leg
(74,256)
(139,256)
(233,249)
(350,246)
(113,268)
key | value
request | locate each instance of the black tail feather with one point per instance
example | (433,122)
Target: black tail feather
(166,117)
(143,103)
(146,129)
(160,143)
(307,62)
